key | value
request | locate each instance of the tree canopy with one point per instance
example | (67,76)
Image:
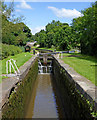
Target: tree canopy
(82,33)
(86,29)
(57,34)
(15,33)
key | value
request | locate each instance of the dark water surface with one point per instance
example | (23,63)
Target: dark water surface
(43,100)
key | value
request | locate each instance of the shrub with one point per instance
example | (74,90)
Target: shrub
(22,48)
(9,50)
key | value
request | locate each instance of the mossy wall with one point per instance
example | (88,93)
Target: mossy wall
(15,107)
(75,106)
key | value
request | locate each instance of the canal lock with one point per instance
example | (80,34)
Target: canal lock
(68,101)
(44,65)
(52,96)
(43,99)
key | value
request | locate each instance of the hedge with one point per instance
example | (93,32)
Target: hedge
(9,50)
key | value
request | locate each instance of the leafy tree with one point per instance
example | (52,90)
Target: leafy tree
(57,34)
(81,34)
(86,30)
(7,10)
(13,33)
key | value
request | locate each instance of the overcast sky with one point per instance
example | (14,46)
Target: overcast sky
(39,14)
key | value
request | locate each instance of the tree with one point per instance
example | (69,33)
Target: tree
(57,34)
(13,33)
(86,30)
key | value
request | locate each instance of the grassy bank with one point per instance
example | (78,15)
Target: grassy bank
(82,64)
(44,48)
(20,60)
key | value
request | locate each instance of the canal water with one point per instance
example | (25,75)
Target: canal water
(43,99)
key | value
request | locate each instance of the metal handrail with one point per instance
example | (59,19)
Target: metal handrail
(11,64)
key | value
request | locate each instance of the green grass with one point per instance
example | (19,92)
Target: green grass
(20,60)
(84,65)
(47,48)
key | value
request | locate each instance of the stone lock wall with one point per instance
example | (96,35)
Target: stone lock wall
(75,106)
(15,106)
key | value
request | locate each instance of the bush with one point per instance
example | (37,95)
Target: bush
(9,50)
(22,48)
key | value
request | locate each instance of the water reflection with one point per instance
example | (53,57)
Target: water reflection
(42,103)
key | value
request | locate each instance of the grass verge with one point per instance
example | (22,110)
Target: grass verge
(82,64)
(20,60)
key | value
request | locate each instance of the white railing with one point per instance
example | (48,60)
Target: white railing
(12,65)
(60,54)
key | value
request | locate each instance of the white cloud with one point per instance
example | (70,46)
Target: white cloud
(18,10)
(68,13)
(24,5)
(37,29)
